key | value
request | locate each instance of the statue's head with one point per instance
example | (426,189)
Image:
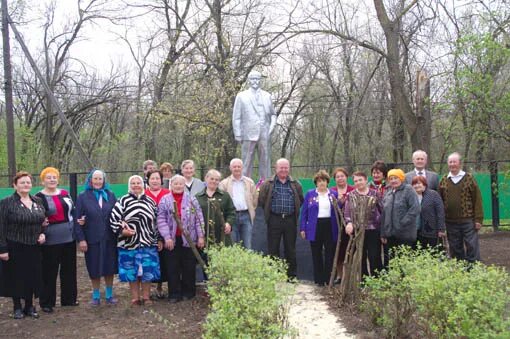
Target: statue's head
(254,79)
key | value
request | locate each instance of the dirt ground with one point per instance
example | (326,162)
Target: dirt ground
(494,248)
(161,320)
(182,320)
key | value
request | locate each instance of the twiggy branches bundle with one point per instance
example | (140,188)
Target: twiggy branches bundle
(361,207)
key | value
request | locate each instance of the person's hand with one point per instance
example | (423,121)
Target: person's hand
(83,246)
(478,226)
(4,256)
(201,242)
(384,241)
(349,228)
(303,234)
(81,221)
(169,244)
(128,232)
(228,228)
(441,234)
(160,245)
(41,239)
(46,222)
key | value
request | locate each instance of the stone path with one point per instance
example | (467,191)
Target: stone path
(309,313)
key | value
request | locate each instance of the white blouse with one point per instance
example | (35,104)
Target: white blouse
(324,205)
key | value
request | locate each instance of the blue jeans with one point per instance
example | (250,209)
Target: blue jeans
(242,230)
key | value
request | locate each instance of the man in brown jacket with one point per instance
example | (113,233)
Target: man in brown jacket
(281,198)
(463,210)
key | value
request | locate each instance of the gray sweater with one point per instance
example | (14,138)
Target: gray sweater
(400,210)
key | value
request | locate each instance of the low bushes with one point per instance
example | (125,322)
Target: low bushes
(423,294)
(248,294)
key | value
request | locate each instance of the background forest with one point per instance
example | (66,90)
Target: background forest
(343,76)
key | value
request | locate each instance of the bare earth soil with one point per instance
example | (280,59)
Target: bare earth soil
(161,320)
(182,320)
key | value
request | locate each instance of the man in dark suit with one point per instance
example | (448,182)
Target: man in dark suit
(420,162)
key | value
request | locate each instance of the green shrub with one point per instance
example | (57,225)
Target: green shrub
(249,294)
(424,293)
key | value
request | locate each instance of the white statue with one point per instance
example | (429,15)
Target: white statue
(253,121)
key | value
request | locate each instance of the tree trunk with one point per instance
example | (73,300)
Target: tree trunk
(424,119)
(420,137)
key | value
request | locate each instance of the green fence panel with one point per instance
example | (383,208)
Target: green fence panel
(483,180)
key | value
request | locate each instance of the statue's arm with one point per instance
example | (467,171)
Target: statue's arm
(273,116)
(236,118)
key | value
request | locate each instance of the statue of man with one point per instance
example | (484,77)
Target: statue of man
(253,121)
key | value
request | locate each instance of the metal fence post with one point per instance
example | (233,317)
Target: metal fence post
(73,185)
(493,168)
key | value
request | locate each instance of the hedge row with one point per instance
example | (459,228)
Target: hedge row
(423,294)
(249,295)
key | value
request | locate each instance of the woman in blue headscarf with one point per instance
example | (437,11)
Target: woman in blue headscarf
(94,235)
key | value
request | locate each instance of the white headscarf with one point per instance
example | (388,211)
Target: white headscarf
(129,185)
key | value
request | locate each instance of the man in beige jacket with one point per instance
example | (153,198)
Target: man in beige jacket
(244,195)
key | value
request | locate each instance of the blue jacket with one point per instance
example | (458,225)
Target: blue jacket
(97,220)
(310,212)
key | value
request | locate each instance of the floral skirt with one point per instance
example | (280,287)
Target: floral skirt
(139,264)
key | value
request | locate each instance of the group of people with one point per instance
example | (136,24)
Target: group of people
(394,209)
(145,236)
(154,233)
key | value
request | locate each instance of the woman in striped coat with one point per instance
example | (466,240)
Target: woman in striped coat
(133,219)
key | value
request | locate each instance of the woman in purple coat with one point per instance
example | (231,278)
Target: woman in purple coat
(181,261)
(94,235)
(319,225)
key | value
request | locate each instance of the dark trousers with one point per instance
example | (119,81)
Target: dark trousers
(460,235)
(429,242)
(28,303)
(386,255)
(395,242)
(59,260)
(372,253)
(181,271)
(322,263)
(284,226)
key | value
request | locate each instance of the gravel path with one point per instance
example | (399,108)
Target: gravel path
(309,313)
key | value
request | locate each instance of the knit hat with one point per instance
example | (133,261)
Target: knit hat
(49,170)
(397,172)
